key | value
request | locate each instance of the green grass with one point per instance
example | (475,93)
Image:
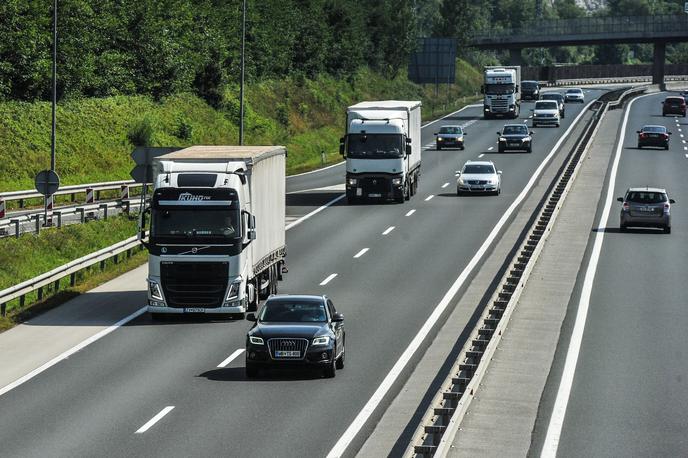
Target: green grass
(94,136)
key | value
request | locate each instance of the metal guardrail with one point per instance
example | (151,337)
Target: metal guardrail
(67,190)
(70,269)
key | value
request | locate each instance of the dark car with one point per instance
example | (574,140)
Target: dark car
(555,96)
(295,330)
(515,137)
(530,90)
(646,207)
(674,105)
(450,136)
(684,94)
(653,136)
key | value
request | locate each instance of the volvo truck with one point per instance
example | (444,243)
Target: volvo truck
(382,147)
(501,89)
(216,240)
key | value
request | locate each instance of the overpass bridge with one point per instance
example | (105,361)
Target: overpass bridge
(658,30)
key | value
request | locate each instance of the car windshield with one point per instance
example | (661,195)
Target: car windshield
(546,105)
(551,97)
(190,222)
(375,146)
(479,168)
(574,91)
(646,197)
(497,89)
(654,129)
(529,85)
(515,130)
(293,312)
(450,130)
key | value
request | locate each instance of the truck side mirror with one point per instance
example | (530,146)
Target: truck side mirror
(409,150)
(482,89)
(341,146)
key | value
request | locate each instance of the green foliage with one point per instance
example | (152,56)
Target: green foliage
(142,132)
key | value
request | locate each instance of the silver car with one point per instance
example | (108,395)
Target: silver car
(574,95)
(479,177)
(450,136)
(646,207)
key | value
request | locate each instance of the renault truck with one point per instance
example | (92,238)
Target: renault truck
(382,147)
(501,89)
(216,240)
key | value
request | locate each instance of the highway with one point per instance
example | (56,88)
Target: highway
(628,394)
(155,389)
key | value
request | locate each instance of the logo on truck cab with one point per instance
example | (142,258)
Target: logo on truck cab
(187,196)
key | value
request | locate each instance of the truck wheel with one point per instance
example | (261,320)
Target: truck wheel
(407,191)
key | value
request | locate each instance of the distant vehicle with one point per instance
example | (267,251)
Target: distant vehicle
(502,91)
(574,95)
(674,105)
(530,90)
(559,98)
(653,136)
(449,136)
(296,330)
(515,137)
(646,207)
(546,112)
(382,150)
(684,94)
(479,177)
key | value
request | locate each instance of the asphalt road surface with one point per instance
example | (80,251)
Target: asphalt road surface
(155,389)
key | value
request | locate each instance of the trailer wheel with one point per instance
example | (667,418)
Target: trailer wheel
(407,190)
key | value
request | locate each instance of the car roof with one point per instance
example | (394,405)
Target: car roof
(451,125)
(550,93)
(529,81)
(479,163)
(674,97)
(298,297)
(653,125)
(515,125)
(646,189)
(577,89)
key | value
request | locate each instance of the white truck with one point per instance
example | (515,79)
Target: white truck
(382,147)
(217,229)
(502,92)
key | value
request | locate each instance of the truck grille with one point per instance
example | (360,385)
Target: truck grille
(194,284)
(500,103)
(288,344)
(377,185)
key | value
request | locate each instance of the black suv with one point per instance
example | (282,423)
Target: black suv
(530,90)
(674,105)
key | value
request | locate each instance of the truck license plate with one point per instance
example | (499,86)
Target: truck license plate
(359,192)
(194,310)
(288,354)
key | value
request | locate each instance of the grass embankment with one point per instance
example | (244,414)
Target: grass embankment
(96,136)
(31,255)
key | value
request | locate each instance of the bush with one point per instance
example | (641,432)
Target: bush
(184,130)
(142,132)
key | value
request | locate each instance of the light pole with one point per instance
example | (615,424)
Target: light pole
(52,136)
(241,86)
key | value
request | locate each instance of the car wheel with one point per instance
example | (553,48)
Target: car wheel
(438,147)
(351,200)
(458,193)
(666,146)
(558,124)
(463,147)
(331,370)
(251,371)
(622,227)
(667,229)
(500,149)
(157,316)
(340,361)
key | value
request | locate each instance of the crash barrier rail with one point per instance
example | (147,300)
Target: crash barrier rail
(606,72)
(51,279)
(448,408)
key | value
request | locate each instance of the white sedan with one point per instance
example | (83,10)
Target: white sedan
(479,177)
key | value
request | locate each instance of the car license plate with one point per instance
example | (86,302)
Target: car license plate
(359,192)
(288,354)
(654,135)
(514,144)
(194,310)
(374,195)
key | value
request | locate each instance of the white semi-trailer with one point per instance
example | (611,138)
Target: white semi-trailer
(382,148)
(217,234)
(502,92)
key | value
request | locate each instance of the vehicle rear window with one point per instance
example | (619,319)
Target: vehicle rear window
(674,101)
(478,168)
(646,197)
(450,130)
(654,129)
(529,85)
(574,91)
(551,96)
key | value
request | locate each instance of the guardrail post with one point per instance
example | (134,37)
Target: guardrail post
(3,309)
(22,301)
(38,223)
(40,293)
(115,258)
(73,197)
(57,286)
(98,194)
(2,208)
(82,216)
(21,203)
(16,227)
(59,218)
(104,207)
(124,192)
(89,196)
(72,279)
(102,264)
(126,207)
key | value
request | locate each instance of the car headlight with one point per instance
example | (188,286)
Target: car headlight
(460,181)
(535,115)
(526,140)
(233,292)
(154,290)
(353,181)
(256,340)
(323,340)
(439,139)
(502,139)
(396,181)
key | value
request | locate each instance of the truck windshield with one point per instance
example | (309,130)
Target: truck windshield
(375,146)
(193,225)
(499,88)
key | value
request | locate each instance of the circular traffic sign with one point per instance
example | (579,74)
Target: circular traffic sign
(47,182)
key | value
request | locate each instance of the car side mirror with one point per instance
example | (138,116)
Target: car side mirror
(251,317)
(637,131)
(499,133)
(531,132)
(619,199)
(499,172)
(337,318)
(672,201)
(669,133)
(435,134)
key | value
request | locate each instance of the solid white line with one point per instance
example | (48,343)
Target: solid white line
(154,420)
(451,114)
(686,154)
(681,135)
(445,185)
(429,197)
(388,230)
(683,141)
(343,443)
(411,212)
(317,170)
(556,422)
(490,148)
(481,155)
(316,211)
(71,351)
(361,253)
(231,358)
(327,280)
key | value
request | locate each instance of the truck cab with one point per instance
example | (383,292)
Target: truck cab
(501,92)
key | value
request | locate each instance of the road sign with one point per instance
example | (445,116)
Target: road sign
(143,157)
(47,182)
(685,7)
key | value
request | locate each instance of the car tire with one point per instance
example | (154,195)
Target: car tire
(463,147)
(529,150)
(339,364)
(251,370)
(667,229)
(331,370)
(157,316)
(666,147)
(500,149)
(558,124)
(351,200)
(622,227)
(458,193)
(438,147)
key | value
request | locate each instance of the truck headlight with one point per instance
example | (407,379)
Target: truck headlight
(324,340)
(154,290)
(353,181)
(233,292)
(256,340)
(396,181)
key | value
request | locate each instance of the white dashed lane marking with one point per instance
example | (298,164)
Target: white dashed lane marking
(388,230)
(445,185)
(231,358)
(481,155)
(429,197)
(490,148)
(154,420)
(411,212)
(328,279)
(361,253)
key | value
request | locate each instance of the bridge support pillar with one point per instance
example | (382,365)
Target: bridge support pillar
(658,63)
(515,57)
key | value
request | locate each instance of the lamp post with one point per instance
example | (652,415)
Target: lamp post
(241,86)
(52,136)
